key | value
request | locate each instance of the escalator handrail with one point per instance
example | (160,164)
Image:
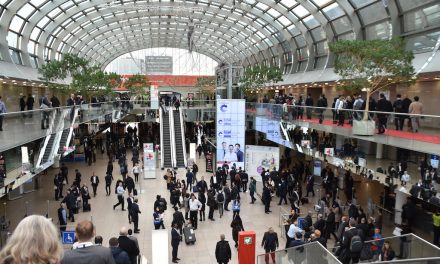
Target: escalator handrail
(172,138)
(183,137)
(161,138)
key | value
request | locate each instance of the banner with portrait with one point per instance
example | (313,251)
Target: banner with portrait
(230,132)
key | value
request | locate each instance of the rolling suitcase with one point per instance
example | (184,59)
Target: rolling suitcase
(190,236)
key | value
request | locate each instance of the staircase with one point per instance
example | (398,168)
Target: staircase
(48,149)
(166,143)
(180,157)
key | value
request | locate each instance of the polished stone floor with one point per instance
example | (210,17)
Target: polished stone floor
(109,221)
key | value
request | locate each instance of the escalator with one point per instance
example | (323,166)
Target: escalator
(166,141)
(179,144)
(48,149)
(63,140)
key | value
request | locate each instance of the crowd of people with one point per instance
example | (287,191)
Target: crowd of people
(347,108)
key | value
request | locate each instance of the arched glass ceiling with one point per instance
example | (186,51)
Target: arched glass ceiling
(290,33)
(184,62)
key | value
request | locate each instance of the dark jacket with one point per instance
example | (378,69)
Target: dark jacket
(129,246)
(120,256)
(135,210)
(330,223)
(270,241)
(175,237)
(178,218)
(237,226)
(223,251)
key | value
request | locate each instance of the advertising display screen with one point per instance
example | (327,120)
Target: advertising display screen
(231,128)
(434,161)
(317,167)
(259,158)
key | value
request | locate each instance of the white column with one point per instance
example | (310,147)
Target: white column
(379,151)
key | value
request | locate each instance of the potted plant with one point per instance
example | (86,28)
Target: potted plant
(370,66)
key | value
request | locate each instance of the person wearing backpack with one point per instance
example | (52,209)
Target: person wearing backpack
(352,244)
(399,108)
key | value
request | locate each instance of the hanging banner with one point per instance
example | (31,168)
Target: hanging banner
(209,163)
(230,132)
(154,96)
(149,161)
(261,157)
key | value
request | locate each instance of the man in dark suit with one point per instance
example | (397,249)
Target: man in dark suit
(178,219)
(175,241)
(239,153)
(129,184)
(86,252)
(62,217)
(95,181)
(135,215)
(128,245)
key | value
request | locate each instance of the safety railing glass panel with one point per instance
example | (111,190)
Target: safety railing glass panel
(310,253)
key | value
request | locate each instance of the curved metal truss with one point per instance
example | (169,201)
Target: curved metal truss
(292,34)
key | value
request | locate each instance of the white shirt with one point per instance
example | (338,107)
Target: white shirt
(293,229)
(136,169)
(194,205)
(230,157)
(120,190)
(406,177)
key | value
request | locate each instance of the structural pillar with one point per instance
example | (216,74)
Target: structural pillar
(229,88)
(379,151)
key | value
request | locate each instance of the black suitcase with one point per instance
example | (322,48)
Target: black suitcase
(135,192)
(87,208)
(190,236)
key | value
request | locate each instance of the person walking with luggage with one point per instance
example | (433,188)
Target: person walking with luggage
(237,226)
(175,241)
(120,193)
(270,244)
(194,208)
(95,181)
(223,251)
